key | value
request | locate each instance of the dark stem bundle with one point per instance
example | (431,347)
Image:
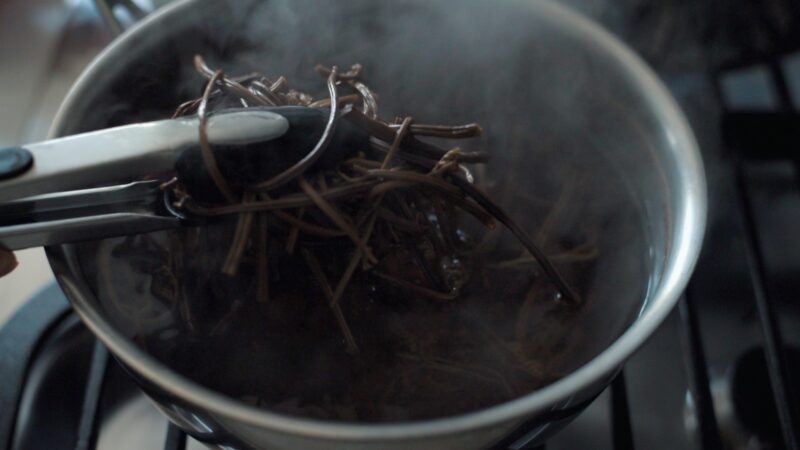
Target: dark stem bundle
(399,200)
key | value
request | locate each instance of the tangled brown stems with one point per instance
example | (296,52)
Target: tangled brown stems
(400,189)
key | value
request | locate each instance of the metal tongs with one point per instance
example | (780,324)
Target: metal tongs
(44,198)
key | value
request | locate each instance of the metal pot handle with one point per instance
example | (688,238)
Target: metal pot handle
(119,15)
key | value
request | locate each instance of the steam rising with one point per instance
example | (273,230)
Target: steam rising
(566,133)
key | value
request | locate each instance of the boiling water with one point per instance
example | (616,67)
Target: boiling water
(506,336)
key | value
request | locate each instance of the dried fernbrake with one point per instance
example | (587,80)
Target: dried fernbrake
(401,195)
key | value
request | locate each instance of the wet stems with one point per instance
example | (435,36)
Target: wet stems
(400,202)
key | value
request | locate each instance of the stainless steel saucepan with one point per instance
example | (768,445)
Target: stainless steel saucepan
(557,95)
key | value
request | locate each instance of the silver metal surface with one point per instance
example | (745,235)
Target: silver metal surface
(659,156)
(91,214)
(131,152)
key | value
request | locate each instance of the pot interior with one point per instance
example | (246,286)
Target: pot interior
(577,159)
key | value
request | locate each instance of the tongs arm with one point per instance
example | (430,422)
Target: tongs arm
(249,145)
(86,215)
(39,203)
(126,153)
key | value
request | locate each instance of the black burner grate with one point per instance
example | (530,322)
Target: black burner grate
(764,135)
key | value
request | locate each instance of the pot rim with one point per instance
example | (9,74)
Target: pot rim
(686,242)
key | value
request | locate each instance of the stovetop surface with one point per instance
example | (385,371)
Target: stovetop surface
(696,378)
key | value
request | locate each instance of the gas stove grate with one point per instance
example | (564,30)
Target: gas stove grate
(746,134)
